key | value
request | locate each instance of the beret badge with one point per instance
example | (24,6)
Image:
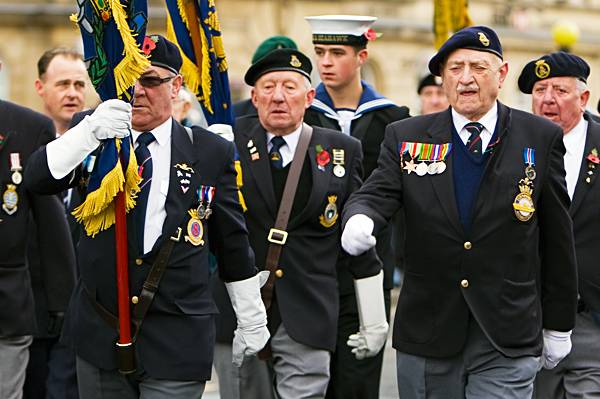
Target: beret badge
(542,69)
(483,39)
(295,62)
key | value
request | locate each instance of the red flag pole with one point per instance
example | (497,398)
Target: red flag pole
(125,351)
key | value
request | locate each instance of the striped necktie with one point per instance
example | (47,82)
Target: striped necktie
(274,155)
(144,159)
(474,142)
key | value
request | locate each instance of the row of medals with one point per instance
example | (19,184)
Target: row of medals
(422,168)
(10,198)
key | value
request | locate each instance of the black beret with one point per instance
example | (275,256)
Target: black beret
(163,53)
(284,59)
(480,38)
(551,66)
(429,80)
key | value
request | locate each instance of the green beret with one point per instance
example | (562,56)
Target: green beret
(273,43)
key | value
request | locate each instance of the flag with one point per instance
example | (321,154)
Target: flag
(449,16)
(112,32)
(194,26)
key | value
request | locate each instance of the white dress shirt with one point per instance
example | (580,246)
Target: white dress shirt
(287,150)
(488,121)
(575,144)
(160,150)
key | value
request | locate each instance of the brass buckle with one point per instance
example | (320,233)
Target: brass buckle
(277,236)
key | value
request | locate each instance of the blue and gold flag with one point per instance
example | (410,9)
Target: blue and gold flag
(194,26)
(112,32)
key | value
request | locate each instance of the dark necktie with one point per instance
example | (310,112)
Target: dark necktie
(144,160)
(274,155)
(474,143)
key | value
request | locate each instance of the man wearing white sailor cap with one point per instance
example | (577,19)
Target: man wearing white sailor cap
(348,104)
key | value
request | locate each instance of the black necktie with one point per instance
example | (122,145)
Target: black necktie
(474,143)
(144,160)
(274,155)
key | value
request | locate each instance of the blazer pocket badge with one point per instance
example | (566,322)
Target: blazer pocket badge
(523,203)
(195,230)
(330,215)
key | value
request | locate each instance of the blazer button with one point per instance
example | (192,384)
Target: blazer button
(139,262)
(279,273)
(467,245)
(135,300)
(464,283)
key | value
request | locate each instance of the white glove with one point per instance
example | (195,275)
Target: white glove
(251,334)
(357,236)
(112,119)
(371,315)
(222,130)
(557,345)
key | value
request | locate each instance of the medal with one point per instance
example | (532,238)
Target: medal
(432,169)
(15,167)
(339,171)
(330,215)
(530,172)
(421,169)
(529,159)
(441,167)
(338,161)
(195,230)
(16,177)
(410,166)
(523,203)
(10,199)
(206,195)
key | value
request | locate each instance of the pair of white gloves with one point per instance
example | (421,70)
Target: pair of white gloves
(357,238)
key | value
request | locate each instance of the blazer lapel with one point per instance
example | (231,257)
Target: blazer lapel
(260,168)
(592,140)
(443,184)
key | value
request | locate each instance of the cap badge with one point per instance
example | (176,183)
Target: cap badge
(295,62)
(542,69)
(483,39)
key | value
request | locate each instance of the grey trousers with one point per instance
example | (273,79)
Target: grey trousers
(479,371)
(578,374)
(95,383)
(14,355)
(251,381)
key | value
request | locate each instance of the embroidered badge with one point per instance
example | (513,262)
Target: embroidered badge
(330,215)
(195,230)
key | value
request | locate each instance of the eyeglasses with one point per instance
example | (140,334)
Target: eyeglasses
(154,81)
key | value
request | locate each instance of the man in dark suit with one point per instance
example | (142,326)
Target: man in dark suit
(557,83)
(490,272)
(346,103)
(304,307)
(188,202)
(22,131)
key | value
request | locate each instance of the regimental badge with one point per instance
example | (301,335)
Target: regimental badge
(338,162)
(195,230)
(184,174)
(483,39)
(330,216)
(252,150)
(10,199)
(523,203)
(542,69)
(295,62)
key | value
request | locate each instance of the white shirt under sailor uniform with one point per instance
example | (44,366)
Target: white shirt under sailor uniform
(291,142)
(488,121)
(574,141)
(160,150)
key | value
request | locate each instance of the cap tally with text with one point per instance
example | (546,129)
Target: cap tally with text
(273,43)
(480,38)
(342,29)
(429,80)
(284,59)
(551,66)
(162,52)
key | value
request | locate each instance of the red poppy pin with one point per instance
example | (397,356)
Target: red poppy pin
(593,156)
(370,35)
(148,45)
(323,157)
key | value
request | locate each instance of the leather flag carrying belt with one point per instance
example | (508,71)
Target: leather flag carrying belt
(277,235)
(126,360)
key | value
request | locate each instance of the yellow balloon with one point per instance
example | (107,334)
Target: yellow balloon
(565,34)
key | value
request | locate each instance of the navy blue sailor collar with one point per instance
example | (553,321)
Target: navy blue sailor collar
(369,101)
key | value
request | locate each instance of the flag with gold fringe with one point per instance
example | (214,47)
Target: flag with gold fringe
(194,26)
(112,32)
(449,16)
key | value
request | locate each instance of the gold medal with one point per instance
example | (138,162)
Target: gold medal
(195,230)
(523,203)
(10,199)
(330,216)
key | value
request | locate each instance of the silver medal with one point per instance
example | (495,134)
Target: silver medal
(441,167)
(421,169)
(339,171)
(17,177)
(432,168)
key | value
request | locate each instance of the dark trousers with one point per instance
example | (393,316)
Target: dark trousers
(51,371)
(351,378)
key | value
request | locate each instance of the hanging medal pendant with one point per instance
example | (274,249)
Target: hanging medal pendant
(15,168)
(432,169)
(16,177)
(421,169)
(338,161)
(530,172)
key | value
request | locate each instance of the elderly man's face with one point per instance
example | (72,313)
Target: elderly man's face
(281,98)
(560,100)
(433,99)
(472,80)
(152,104)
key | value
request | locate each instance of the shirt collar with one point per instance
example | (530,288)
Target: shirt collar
(488,120)
(291,139)
(575,136)
(162,133)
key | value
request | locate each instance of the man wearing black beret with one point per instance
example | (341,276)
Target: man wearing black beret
(300,245)
(431,94)
(490,277)
(557,83)
(188,202)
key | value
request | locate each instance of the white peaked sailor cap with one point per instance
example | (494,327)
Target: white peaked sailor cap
(342,29)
